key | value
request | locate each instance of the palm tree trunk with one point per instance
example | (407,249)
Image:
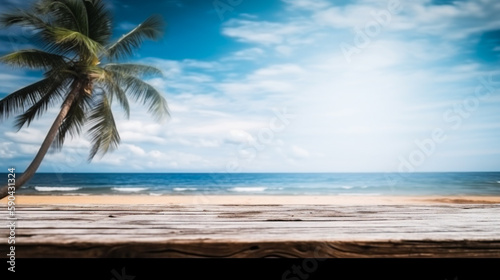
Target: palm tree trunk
(30,171)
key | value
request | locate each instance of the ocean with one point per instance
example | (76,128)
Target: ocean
(156,184)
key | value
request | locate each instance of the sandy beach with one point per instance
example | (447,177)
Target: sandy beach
(253,199)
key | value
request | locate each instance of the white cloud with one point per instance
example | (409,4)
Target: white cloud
(273,79)
(152,160)
(6,150)
(238,136)
(299,152)
(262,32)
(200,64)
(138,137)
(26,136)
(280,69)
(137,151)
(284,50)
(307,4)
(12,82)
(450,21)
(247,54)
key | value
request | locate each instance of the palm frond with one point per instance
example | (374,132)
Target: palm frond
(108,80)
(143,92)
(70,14)
(22,18)
(99,21)
(19,100)
(151,28)
(34,59)
(52,94)
(137,70)
(65,40)
(103,133)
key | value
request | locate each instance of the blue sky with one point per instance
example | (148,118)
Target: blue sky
(297,86)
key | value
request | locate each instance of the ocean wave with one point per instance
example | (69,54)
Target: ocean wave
(155,194)
(248,189)
(347,187)
(359,194)
(184,189)
(498,182)
(129,189)
(56,189)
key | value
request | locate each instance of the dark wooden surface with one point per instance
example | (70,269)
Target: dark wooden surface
(82,231)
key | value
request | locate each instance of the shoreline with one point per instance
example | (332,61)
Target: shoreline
(252,199)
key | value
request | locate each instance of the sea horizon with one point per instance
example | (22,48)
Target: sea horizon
(268,183)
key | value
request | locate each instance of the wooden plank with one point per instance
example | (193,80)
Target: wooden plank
(444,230)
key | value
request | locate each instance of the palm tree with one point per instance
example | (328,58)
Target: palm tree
(80,69)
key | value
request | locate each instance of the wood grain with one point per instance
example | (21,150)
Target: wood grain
(89,231)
